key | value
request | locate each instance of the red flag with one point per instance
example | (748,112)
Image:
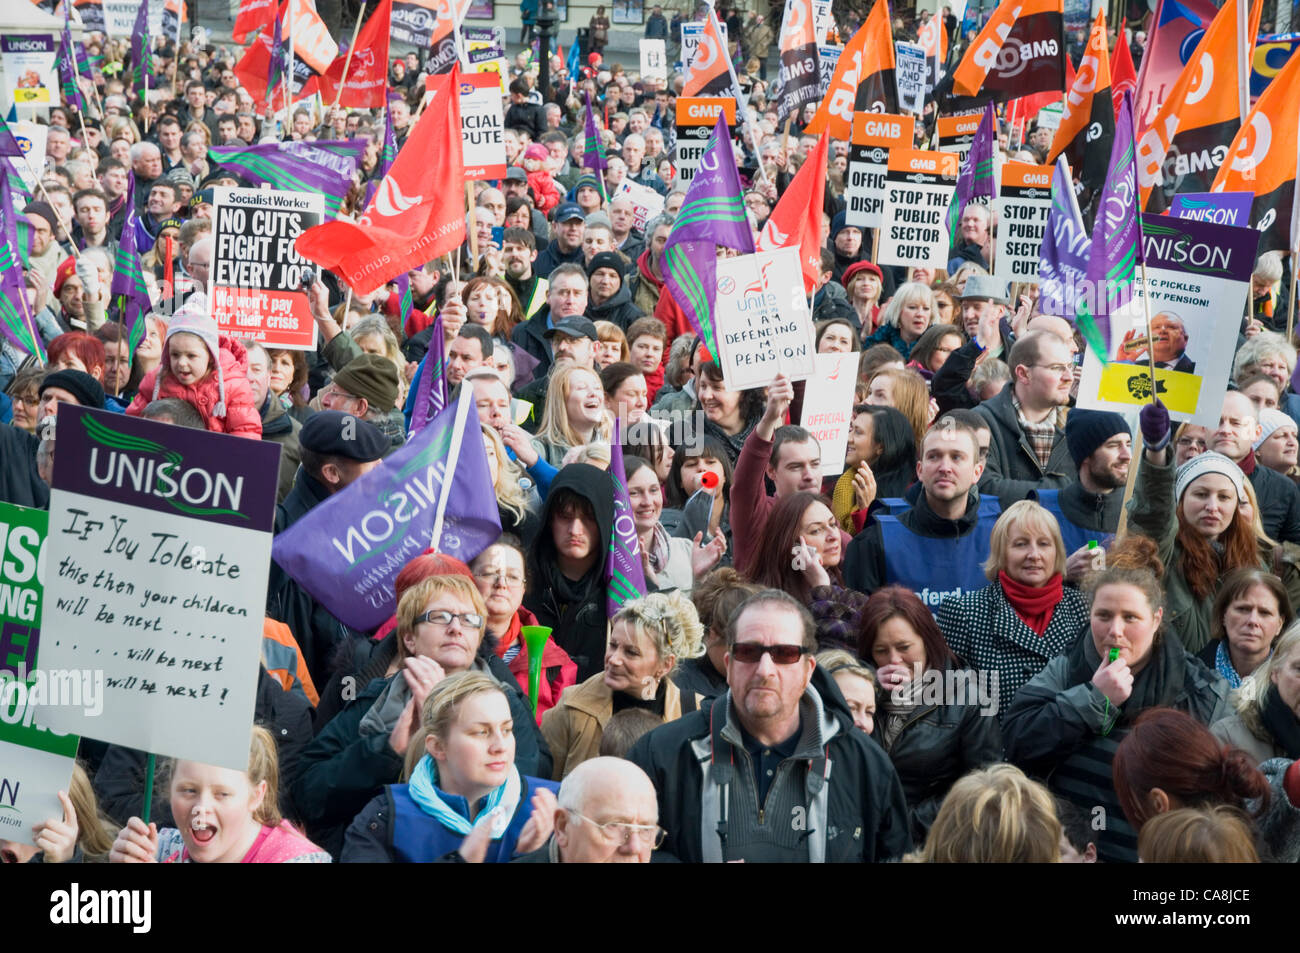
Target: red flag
(414,216)
(367,79)
(1122,74)
(253,15)
(797,218)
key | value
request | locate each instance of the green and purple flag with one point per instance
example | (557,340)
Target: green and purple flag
(72,95)
(1063,258)
(593,151)
(1116,241)
(624,574)
(15,321)
(141,50)
(129,292)
(975,180)
(434,493)
(430,385)
(323,168)
(712,215)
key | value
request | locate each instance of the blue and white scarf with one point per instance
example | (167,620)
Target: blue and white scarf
(498,810)
(1223,665)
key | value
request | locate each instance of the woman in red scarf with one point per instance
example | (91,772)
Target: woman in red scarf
(1025,617)
(499,575)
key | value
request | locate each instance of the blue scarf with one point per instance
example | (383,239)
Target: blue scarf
(498,810)
(1223,665)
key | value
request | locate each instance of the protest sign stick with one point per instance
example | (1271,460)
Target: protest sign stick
(146,100)
(67,229)
(1146,309)
(457,438)
(1290,299)
(473,224)
(347,62)
(149,770)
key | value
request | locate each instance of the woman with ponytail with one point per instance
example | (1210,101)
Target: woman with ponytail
(463,787)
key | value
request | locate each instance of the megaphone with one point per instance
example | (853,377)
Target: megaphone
(535,637)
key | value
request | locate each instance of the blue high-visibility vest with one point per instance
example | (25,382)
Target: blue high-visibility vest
(936,569)
(1073,535)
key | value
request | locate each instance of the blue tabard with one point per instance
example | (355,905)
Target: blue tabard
(1073,535)
(938,568)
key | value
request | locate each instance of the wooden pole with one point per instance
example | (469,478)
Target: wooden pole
(1290,299)
(67,229)
(347,62)
(473,225)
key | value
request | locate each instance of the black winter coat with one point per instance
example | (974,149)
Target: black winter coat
(618,310)
(866,811)
(1012,469)
(939,744)
(1279,504)
(20,484)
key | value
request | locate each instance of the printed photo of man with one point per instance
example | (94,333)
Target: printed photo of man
(1168,340)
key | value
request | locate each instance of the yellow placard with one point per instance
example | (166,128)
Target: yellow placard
(1131,384)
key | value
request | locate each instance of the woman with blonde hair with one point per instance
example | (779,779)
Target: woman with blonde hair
(995,816)
(1026,616)
(1220,834)
(574,413)
(1267,720)
(909,312)
(82,835)
(461,779)
(906,391)
(225,817)
(647,638)
(513,501)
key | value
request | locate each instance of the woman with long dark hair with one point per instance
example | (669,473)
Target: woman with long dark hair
(801,548)
(879,464)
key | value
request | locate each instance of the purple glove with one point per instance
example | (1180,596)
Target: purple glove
(1153,419)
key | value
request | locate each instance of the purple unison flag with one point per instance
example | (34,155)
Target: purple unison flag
(128,290)
(593,151)
(434,492)
(712,214)
(975,179)
(16,325)
(9,146)
(624,574)
(323,168)
(1063,260)
(1226,208)
(431,384)
(1116,240)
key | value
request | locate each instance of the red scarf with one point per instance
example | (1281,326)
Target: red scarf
(1034,604)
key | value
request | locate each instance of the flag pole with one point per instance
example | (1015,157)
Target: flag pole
(742,105)
(58,214)
(1290,300)
(347,62)
(473,223)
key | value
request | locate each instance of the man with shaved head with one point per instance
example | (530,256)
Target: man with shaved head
(608,814)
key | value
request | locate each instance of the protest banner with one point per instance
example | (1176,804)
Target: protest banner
(257,275)
(646,202)
(1050,116)
(1222,208)
(30,137)
(691,33)
(654,60)
(918,188)
(828,57)
(828,407)
(762,321)
(35,762)
(160,542)
(119,16)
(1023,204)
(488,57)
(696,117)
(874,135)
(413,22)
(434,492)
(956,133)
(911,69)
(31,80)
(1197,282)
(823,19)
(482,127)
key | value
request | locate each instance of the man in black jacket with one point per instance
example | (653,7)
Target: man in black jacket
(569,222)
(942,540)
(781,738)
(1027,450)
(1279,499)
(1101,446)
(524,115)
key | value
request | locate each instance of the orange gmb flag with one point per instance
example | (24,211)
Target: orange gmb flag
(709,71)
(367,71)
(1088,125)
(797,218)
(863,80)
(1263,160)
(1021,50)
(1182,148)
(934,40)
(414,217)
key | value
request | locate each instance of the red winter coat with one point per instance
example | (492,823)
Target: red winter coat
(558,670)
(241,419)
(544,190)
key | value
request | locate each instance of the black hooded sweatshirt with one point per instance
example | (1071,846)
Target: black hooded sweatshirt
(573,608)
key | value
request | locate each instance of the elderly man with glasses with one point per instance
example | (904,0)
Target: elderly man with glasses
(774,769)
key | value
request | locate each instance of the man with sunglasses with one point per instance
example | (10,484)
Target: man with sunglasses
(781,737)
(1028,450)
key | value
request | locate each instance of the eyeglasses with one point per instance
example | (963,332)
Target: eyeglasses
(751,653)
(1060,370)
(442,618)
(616,832)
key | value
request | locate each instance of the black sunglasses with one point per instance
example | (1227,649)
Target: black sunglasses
(751,653)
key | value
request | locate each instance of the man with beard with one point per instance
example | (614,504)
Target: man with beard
(518,253)
(1101,446)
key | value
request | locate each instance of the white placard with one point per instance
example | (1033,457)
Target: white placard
(646,202)
(482,126)
(918,189)
(691,40)
(828,407)
(1023,204)
(762,321)
(30,137)
(911,71)
(828,57)
(119,17)
(822,19)
(654,60)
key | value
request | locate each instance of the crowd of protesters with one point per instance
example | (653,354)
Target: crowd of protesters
(985,639)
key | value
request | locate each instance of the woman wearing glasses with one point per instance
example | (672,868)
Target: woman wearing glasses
(934,718)
(463,786)
(647,638)
(440,626)
(499,575)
